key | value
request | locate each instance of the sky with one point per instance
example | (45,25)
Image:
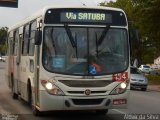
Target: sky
(10,16)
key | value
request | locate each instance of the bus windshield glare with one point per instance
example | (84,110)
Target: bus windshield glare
(85,51)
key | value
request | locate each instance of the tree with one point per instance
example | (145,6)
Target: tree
(3,37)
(144,16)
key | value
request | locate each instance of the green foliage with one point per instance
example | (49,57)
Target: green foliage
(144,16)
(153,79)
(3,37)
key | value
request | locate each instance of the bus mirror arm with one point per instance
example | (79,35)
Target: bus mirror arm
(38,37)
(17,61)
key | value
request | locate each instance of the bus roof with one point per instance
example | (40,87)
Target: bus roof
(41,12)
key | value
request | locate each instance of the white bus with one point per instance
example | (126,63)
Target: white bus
(70,58)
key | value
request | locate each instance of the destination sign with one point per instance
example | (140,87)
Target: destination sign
(85,17)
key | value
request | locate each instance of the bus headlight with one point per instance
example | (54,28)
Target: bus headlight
(123,85)
(120,88)
(51,88)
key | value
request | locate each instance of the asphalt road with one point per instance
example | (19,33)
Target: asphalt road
(142,106)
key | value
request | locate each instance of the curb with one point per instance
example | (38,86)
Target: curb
(154,88)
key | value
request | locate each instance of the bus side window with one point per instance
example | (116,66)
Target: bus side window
(10,43)
(16,37)
(25,40)
(32,37)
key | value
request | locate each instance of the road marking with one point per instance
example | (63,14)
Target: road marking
(118,111)
(2,111)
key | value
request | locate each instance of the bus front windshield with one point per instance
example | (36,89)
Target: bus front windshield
(84,50)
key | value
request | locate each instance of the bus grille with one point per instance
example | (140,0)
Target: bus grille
(87,101)
(82,83)
(82,92)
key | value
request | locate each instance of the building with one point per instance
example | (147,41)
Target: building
(157,61)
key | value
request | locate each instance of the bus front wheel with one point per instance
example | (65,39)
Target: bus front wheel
(35,111)
(14,95)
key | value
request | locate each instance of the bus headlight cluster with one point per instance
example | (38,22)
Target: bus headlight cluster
(120,88)
(51,88)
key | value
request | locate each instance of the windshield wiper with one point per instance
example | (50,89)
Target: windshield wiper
(96,44)
(73,42)
(69,33)
(104,33)
(53,40)
(99,42)
(76,45)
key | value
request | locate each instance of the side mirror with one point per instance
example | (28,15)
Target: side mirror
(134,36)
(133,39)
(38,37)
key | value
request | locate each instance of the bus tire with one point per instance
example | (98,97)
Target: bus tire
(102,112)
(35,111)
(29,90)
(14,95)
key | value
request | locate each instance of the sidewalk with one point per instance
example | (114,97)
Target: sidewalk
(154,88)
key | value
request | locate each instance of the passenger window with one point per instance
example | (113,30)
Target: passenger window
(15,44)
(10,44)
(25,40)
(32,38)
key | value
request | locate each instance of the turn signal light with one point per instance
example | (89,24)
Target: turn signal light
(119,101)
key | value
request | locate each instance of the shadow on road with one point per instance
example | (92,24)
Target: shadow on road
(68,115)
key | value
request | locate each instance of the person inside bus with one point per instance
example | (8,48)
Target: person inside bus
(107,53)
(94,67)
(107,45)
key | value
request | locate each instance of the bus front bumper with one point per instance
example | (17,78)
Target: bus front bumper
(49,102)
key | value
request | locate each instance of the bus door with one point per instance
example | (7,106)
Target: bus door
(15,57)
(18,63)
